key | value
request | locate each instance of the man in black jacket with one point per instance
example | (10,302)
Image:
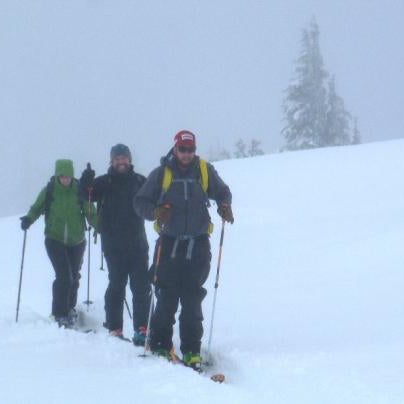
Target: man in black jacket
(176,195)
(123,238)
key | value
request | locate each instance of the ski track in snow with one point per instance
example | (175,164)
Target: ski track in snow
(310,304)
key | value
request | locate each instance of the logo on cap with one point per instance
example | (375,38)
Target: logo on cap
(187,136)
(184,138)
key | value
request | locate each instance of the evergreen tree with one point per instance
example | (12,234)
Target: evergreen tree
(255,148)
(356,136)
(305,104)
(224,155)
(218,155)
(240,149)
(338,120)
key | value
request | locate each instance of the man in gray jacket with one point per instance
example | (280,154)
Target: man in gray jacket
(176,195)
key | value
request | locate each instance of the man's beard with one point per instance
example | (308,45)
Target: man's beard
(122,168)
(185,165)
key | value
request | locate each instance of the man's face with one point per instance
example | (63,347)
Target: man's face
(185,154)
(120,164)
(65,180)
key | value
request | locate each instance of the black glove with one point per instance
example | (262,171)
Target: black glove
(25,222)
(87,178)
(162,214)
(226,213)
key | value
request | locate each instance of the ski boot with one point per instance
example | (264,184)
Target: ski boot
(171,356)
(73,316)
(193,361)
(139,339)
(64,322)
(162,353)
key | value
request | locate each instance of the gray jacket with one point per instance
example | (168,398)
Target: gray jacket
(189,202)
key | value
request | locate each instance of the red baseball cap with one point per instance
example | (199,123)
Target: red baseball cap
(184,138)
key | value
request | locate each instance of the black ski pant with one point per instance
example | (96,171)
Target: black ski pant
(66,262)
(180,279)
(124,264)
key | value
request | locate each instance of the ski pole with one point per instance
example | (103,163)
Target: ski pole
(102,253)
(22,267)
(127,307)
(156,264)
(88,301)
(215,295)
(102,261)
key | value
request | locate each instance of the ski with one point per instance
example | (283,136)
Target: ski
(121,338)
(77,324)
(79,329)
(175,360)
(216,377)
(86,331)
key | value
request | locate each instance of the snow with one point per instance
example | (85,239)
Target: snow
(310,303)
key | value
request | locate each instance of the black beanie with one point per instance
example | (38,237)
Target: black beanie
(120,150)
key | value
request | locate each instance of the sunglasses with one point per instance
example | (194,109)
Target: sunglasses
(185,149)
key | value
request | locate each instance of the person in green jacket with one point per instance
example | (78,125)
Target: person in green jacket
(65,224)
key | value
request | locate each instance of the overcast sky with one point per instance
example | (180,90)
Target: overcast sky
(77,76)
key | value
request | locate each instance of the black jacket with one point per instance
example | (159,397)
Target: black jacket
(189,202)
(119,225)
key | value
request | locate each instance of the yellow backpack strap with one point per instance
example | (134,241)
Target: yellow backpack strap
(203,165)
(204,174)
(167,179)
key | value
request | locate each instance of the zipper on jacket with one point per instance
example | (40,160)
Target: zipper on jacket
(66,227)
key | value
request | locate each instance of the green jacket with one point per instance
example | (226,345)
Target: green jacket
(65,220)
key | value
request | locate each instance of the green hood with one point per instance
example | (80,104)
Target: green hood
(64,167)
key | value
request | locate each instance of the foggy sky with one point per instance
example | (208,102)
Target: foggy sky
(78,76)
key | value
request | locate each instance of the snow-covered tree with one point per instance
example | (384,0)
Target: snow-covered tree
(338,120)
(240,149)
(305,103)
(255,148)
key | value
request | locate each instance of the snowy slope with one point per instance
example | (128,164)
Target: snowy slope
(310,304)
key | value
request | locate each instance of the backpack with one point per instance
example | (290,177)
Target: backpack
(168,179)
(49,196)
